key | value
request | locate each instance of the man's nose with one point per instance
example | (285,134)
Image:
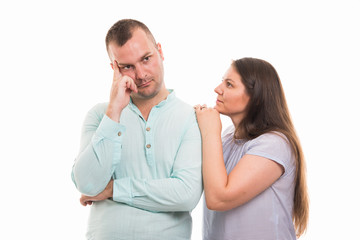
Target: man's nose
(140,72)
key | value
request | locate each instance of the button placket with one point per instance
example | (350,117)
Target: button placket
(149,140)
(148,144)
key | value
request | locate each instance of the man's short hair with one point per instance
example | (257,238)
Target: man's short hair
(122,31)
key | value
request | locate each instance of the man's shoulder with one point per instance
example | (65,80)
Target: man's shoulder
(97,112)
(99,108)
(182,105)
(181,113)
(181,109)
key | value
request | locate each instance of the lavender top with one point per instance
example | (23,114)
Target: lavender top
(268,215)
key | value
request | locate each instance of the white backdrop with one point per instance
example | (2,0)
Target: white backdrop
(54,67)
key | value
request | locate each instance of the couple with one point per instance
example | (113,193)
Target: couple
(143,162)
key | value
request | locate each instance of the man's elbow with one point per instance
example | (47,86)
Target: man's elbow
(190,204)
(86,188)
(191,201)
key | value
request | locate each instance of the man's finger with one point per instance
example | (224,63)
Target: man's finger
(130,84)
(117,73)
(85,200)
(82,202)
(133,86)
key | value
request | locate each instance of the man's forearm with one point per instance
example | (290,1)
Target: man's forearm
(181,191)
(95,165)
(107,193)
(177,193)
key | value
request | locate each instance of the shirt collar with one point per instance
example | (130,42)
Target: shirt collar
(168,99)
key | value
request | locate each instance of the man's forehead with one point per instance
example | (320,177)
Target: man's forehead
(129,53)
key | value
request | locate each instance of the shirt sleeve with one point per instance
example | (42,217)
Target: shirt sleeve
(273,146)
(100,151)
(180,192)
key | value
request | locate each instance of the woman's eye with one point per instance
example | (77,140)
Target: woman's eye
(228,84)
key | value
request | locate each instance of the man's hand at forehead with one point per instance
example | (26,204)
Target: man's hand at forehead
(122,86)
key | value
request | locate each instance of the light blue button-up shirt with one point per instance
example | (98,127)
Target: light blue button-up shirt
(156,167)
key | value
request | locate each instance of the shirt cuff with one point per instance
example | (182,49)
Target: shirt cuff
(122,190)
(110,129)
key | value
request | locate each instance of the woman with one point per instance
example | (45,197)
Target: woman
(254,175)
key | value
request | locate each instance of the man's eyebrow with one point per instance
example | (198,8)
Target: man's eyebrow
(145,55)
(123,64)
(141,58)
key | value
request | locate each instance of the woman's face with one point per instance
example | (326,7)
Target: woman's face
(232,97)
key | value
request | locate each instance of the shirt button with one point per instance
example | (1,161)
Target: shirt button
(119,134)
(148,146)
(147,129)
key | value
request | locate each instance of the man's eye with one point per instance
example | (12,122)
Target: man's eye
(146,58)
(127,67)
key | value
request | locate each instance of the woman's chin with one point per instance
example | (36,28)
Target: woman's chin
(217,108)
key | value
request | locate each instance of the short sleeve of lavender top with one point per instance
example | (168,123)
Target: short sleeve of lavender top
(268,215)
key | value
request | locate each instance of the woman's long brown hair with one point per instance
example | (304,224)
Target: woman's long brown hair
(267,111)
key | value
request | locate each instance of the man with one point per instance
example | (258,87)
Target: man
(139,164)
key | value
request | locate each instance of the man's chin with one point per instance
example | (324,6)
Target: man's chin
(143,94)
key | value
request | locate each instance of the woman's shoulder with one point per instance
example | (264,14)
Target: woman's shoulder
(272,145)
(273,137)
(274,142)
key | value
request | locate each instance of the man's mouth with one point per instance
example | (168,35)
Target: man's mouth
(143,84)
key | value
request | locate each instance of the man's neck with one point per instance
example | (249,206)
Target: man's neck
(145,105)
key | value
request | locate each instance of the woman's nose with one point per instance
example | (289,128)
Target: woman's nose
(218,90)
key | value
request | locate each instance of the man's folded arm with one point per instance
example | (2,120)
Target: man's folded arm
(180,192)
(100,152)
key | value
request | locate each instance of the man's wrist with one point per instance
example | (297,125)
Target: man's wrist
(113,114)
(111,188)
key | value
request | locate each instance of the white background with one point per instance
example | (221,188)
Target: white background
(54,68)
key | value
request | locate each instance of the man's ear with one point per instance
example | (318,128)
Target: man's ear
(160,50)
